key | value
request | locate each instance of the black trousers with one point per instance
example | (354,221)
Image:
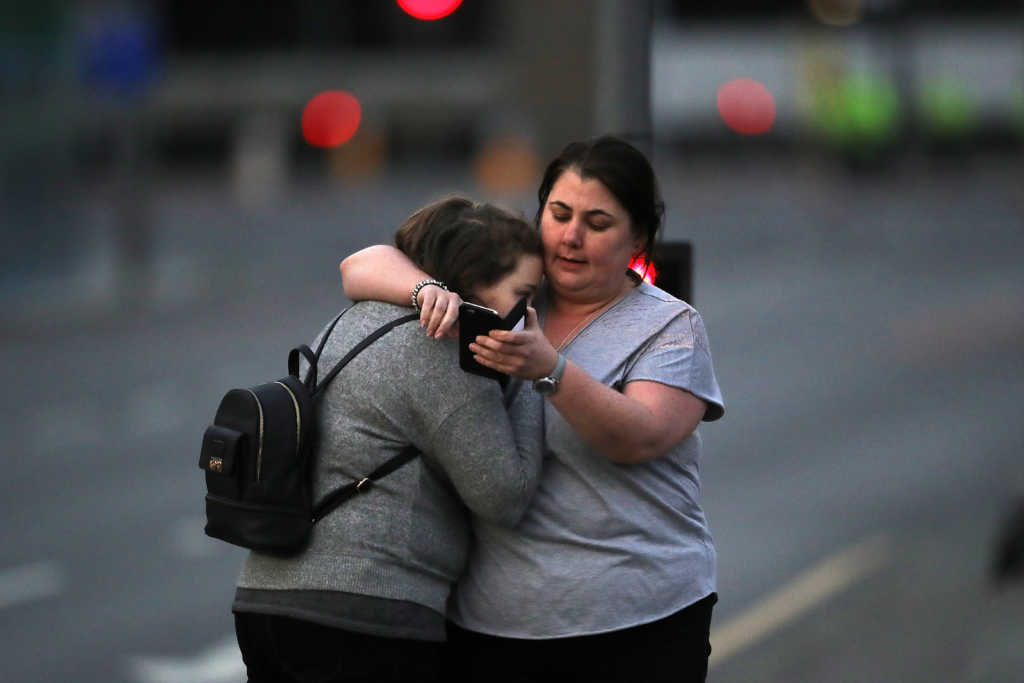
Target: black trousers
(675,649)
(283,650)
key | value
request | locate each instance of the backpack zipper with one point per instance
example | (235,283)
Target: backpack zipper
(298,418)
(259,449)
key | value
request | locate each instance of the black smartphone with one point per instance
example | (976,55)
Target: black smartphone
(477,320)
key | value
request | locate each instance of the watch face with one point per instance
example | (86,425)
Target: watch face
(545,385)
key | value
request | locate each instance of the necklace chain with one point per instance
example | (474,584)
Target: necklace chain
(583,323)
(573,331)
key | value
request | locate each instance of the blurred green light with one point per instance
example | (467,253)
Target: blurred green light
(858,109)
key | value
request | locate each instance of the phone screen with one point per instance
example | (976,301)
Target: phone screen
(475,321)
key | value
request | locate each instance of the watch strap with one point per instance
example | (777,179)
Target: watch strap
(549,385)
(556,374)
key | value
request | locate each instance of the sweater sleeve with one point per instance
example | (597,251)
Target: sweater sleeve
(493,456)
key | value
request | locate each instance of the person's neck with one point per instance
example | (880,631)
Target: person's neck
(581,306)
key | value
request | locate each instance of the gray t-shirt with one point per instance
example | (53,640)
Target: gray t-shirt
(371,562)
(605,546)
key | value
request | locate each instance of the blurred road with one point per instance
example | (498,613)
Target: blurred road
(866,332)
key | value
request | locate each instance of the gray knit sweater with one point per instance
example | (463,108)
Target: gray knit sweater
(404,542)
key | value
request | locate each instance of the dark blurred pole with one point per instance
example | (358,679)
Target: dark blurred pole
(549,49)
(119,61)
(891,21)
(580,68)
(37,218)
(584,69)
(622,56)
(674,261)
(132,203)
(622,106)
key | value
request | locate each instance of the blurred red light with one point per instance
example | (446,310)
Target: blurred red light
(746,106)
(331,118)
(429,10)
(646,270)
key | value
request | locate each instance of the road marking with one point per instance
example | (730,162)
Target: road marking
(220,663)
(30,582)
(799,596)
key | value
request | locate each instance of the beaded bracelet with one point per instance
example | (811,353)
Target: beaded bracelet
(421,285)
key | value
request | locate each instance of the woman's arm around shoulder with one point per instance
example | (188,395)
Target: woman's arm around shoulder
(383,273)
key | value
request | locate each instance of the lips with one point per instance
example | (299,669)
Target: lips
(569,259)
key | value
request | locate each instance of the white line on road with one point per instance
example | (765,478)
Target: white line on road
(220,663)
(794,599)
(30,582)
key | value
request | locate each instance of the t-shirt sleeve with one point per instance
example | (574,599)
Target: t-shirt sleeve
(679,356)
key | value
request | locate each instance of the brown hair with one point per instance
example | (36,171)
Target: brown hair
(466,244)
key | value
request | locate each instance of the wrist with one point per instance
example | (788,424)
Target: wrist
(419,288)
(548,385)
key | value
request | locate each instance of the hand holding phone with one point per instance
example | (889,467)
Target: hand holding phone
(475,321)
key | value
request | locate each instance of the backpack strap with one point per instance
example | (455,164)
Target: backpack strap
(374,336)
(311,358)
(339,496)
(293,362)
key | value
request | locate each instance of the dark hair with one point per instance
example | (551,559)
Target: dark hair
(466,244)
(621,168)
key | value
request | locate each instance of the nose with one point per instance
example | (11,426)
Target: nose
(572,234)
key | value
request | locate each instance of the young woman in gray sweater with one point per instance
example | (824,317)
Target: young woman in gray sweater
(366,600)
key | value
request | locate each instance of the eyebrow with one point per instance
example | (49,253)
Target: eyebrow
(592,212)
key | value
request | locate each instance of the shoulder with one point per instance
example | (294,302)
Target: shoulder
(649,297)
(429,365)
(649,311)
(364,318)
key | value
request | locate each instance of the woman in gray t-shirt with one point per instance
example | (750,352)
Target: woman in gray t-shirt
(611,573)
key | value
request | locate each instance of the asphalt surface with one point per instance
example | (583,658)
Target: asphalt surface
(866,332)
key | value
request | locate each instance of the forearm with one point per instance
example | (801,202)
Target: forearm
(382,273)
(493,457)
(526,418)
(644,421)
(620,428)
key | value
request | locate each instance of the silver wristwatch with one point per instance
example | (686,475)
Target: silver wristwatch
(547,386)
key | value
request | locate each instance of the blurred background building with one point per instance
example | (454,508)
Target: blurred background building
(112,95)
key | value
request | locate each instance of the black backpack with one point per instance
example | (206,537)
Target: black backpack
(258,456)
